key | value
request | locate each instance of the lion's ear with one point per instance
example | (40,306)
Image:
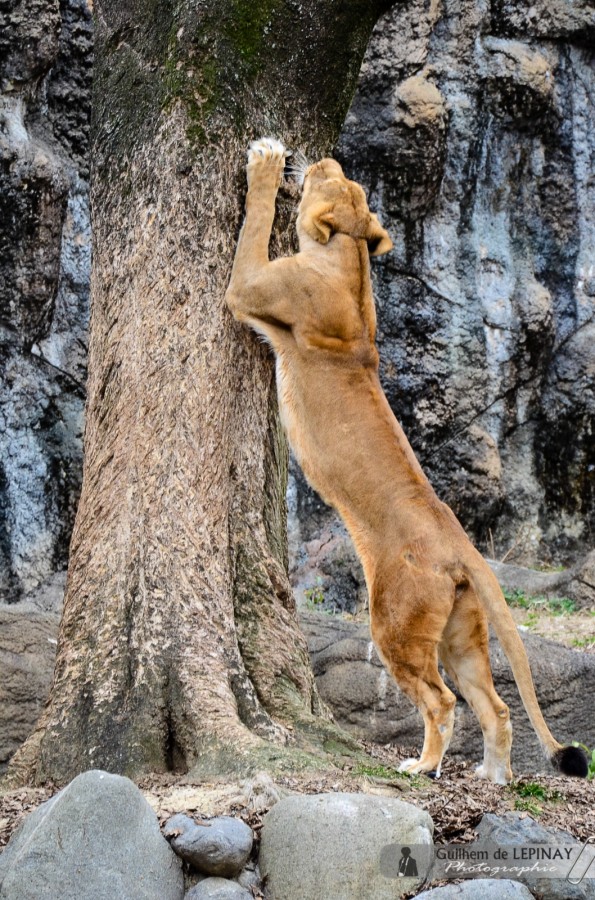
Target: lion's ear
(319,222)
(378,239)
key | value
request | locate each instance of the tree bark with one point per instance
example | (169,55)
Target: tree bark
(179,646)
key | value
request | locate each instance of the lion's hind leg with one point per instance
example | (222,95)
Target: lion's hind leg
(436,702)
(407,625)
(464,654)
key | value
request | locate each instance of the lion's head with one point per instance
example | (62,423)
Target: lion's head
(332,204)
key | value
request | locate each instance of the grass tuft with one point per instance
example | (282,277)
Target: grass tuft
(559,606)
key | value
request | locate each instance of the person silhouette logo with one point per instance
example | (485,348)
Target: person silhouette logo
(407,864)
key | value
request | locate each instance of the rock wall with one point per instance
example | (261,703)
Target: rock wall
(470,131)
(45,76)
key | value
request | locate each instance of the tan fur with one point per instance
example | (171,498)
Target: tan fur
(431,593)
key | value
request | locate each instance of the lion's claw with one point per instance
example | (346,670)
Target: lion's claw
(266,150)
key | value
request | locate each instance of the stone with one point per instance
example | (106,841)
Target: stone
(577,582)
(250,877)
(28,643)
(514,830)
(99,839)
(366,701)
(582,587)
(28,41)
(561,19)
(218,889)
(219,846)
(331,846)
(521,81)
(479,889)
(327,575)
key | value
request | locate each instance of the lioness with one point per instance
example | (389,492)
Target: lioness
(431,592)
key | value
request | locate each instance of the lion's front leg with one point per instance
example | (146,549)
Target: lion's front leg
(266,160)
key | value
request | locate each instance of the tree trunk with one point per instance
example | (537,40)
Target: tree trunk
(179,646)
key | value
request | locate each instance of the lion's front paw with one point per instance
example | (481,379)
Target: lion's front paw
(266,150)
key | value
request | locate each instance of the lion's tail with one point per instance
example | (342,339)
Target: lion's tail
(567,759)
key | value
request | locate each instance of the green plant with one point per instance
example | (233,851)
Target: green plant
(314,595)
(590,759)
(584,642)
(389,774)
(533,789)
(533,809)
(528,795)
(559,606)
(516,598)
(531,620)
(379,771)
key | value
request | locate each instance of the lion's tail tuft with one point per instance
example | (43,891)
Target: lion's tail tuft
(568,760)
(571,761)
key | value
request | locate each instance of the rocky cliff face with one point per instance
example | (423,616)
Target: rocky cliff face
(45,73)
(470,131)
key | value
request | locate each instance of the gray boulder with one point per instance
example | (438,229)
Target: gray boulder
(98,839)
(576,582)
(365,699)
(220,846)
(479,889)
(334,846)
(249,877)
(217,889)
(513,830)
(582,586)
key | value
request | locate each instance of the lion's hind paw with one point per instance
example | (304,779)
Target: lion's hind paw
(499,774)
(266,150)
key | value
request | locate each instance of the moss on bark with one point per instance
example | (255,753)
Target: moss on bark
(241,65)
